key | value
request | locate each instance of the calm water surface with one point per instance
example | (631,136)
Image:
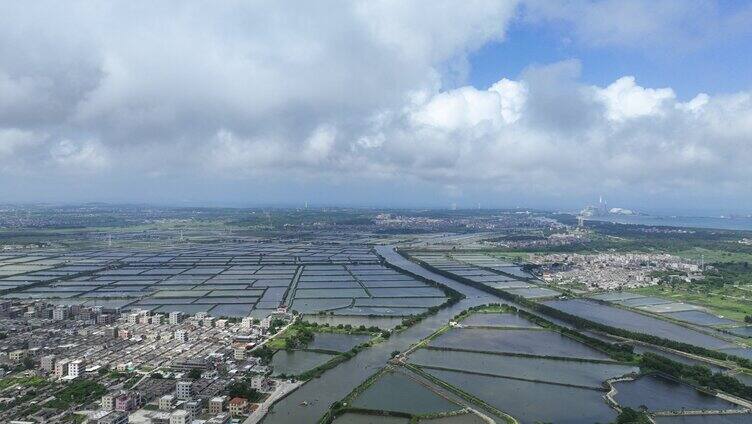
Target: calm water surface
(661,394)
(336,383)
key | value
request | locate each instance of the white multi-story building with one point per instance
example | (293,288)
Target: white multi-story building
(193,406)
(17,355)
(217,404)
(166,402)
(262,383)
(75,368)
(61,368)
(183,390)
(176,317)
(108,401)
(181,416)
(133,318)
(239,353)
(181,336)
(60,313)
(246,323)
(266,322)
(48,363)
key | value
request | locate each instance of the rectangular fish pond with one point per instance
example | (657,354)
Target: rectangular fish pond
(576,373)
(633,321)
(395,391)
(528,342)
(531,402)
(658,393)
(296,362)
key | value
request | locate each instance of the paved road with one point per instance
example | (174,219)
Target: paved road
(281,391)
(446,394)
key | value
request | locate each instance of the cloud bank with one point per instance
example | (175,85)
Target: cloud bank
(334,92)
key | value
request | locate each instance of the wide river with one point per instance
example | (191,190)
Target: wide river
(743,224)
(335,384)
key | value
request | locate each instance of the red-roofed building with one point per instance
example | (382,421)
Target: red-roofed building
(238,406)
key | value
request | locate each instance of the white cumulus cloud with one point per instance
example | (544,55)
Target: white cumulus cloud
(335,92)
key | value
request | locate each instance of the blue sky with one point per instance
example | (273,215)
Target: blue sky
(531,103)
(713,66)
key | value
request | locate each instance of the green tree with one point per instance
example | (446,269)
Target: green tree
(194,374)
(243,389)
(630,416)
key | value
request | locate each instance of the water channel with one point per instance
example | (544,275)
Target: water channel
(319,393)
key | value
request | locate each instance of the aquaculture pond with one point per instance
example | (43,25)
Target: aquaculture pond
(533,402)
(529,342)
(576,373)
(642,301)
(394,391)
(633,321)
(406,292)
(706,419)
(744,378)
(384,323)
(699,318)
(232,310)
(638,348)
(515,271)
(328,285)
(614,296)
(335,384)
(455,419)
(741,331)
(504,285)
(307,306)
(664,308)
(742,352)
(534,292)
(496,320)
(424,302)
(380,310)
(658,393)
(337,342)
(297,361)
(329,293)
(351,418)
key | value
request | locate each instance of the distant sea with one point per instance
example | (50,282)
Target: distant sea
(743,224)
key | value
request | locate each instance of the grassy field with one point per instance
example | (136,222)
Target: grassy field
(709,255)
(514,256)
(283,341)
(295,335)
(733,302)
(22,381)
